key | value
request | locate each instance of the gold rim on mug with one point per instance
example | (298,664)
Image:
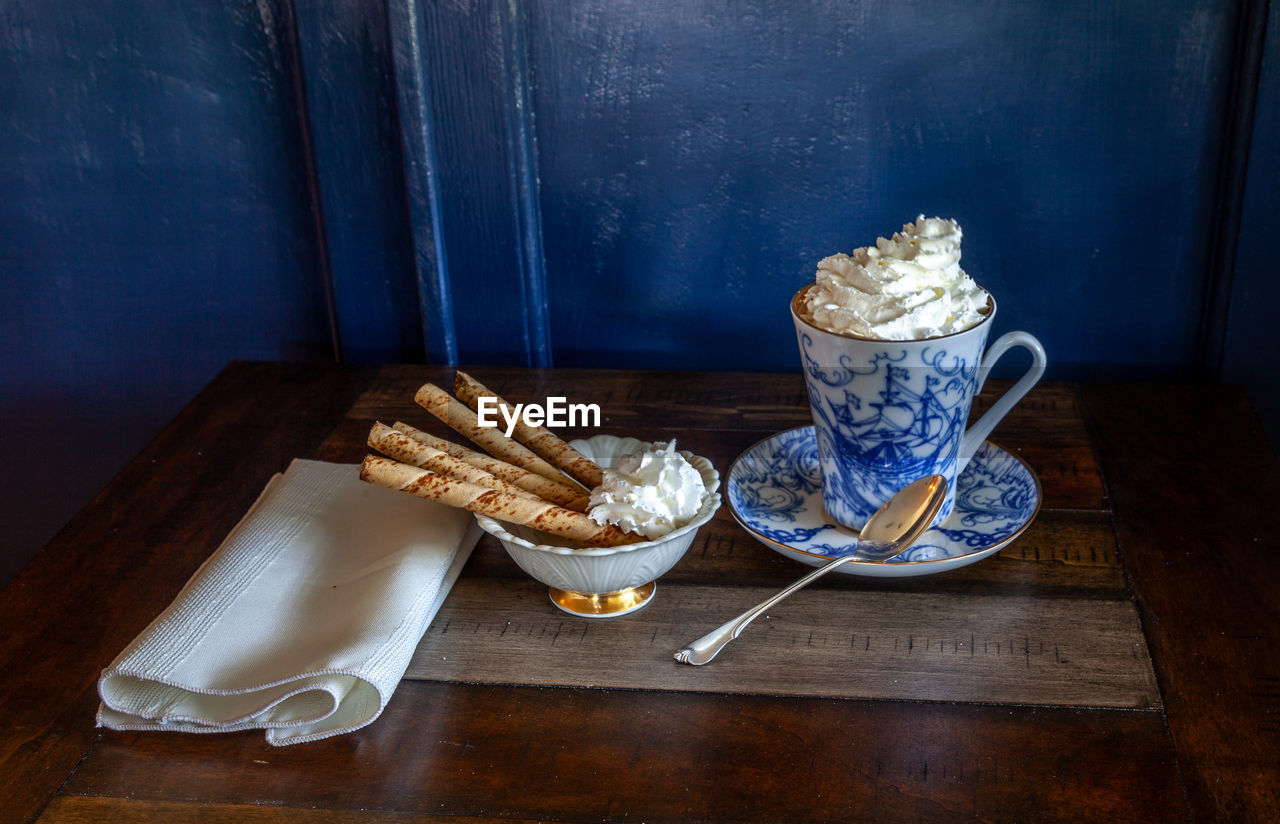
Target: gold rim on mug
(728,501)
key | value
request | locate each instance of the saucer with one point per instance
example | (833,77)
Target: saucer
(774,491)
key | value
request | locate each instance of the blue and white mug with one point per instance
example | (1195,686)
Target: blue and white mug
(888,412)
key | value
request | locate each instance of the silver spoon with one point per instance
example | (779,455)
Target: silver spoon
(889,532)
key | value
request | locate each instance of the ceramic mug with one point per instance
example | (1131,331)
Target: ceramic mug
(888,412)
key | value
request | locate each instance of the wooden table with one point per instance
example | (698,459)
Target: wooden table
(1156,505)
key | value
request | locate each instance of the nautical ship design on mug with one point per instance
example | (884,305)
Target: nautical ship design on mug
(889,412)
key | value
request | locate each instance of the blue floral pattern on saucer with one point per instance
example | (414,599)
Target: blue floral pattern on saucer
(774,490)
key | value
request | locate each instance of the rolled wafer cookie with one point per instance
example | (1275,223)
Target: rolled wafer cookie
(405,449)
(568,494)
(500,505)
(545,443)
(459,417)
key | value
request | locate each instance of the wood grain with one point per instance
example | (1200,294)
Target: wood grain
(761,402)
(1195,491)
(575,755)
(122,560)
(1001,738)
(720,415)
(1072,542)
(74,809)
(833,643)
(1062,554)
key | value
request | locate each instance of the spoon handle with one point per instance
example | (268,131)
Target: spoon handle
(708,646)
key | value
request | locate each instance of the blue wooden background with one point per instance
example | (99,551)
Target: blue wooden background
(601,183)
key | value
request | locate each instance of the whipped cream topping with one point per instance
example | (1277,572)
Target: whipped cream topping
(908,287)
(652,492)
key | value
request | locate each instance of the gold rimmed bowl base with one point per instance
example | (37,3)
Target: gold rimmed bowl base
(603,605)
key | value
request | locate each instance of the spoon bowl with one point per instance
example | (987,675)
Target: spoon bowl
(889,532)
(901,520)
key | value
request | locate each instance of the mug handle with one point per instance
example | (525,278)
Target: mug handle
(978,432)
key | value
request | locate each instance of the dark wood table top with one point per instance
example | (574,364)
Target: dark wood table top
(1156,500)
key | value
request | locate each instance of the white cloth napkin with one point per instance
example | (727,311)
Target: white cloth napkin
(303,621)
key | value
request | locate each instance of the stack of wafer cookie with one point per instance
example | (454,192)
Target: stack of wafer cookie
(536,479)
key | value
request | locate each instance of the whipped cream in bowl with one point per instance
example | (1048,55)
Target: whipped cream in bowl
(907,287)
(652,491)
(648,488)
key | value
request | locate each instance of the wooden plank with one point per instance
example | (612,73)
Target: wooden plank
(766,403)
(356,177)
(720,415)
(1042,651)
(760,402)
(1195,484)
(1067,553)
(593,755)
(122,559)
(1062,555)
(78,809)
(1068,472)
(416,118)
(1050,411)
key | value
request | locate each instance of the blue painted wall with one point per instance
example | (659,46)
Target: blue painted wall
(154,223)
(1251,349)
(697,161)
(358,177)
(693,162)
(600,183)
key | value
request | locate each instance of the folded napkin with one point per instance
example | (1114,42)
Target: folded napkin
(304,620)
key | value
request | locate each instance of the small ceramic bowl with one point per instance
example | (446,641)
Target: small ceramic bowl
(595,582)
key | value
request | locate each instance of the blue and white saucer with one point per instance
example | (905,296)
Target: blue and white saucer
(774,491)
